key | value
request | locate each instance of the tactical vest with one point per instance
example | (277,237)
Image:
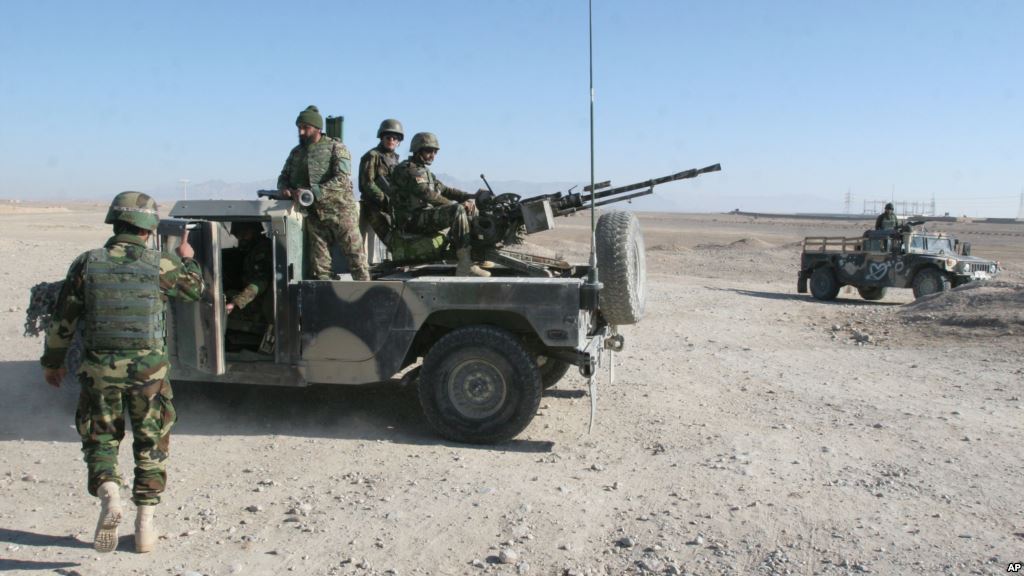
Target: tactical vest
(123,306)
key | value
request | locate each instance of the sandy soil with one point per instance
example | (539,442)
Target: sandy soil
(750,430)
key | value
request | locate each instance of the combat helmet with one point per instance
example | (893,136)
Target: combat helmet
(134,208)
(391,125)
(423,140)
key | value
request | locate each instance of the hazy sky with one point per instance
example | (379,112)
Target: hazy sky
(799,101)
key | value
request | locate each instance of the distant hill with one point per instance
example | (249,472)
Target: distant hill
(673,197)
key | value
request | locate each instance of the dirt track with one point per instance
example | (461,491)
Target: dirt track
(748,432)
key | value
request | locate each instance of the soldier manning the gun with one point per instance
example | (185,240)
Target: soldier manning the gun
(422,204)
(374,182)
(887,220)
(116,295)
(323,165)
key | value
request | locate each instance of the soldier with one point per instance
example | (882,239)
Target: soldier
(887,220)
(249,309)
(374,177)
(116,295)
(323,165)
(424,205)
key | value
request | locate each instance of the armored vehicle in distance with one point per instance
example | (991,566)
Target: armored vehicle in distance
(909,257)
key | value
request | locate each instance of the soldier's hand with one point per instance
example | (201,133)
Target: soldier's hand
(229,307)
(287,193)
(470,206)
(184,249)
(54,376)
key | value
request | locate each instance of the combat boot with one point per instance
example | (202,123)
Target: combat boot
(145,530)
(110,516)
(465,266)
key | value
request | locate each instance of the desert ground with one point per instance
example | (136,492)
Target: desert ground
(749,430)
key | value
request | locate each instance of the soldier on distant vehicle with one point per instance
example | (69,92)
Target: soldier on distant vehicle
(422,204)
(887,220)
(375,169)
(323,165)
(116,295)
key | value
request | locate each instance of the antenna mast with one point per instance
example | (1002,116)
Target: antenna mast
(592,277)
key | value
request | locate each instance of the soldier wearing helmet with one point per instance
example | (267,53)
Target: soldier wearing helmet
(115,296)
(375,182)
(323,165)
(423,204)
(887,220)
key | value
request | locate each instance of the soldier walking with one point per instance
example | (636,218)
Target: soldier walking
(423,204)
(116,294)
(323,165)
(374,183)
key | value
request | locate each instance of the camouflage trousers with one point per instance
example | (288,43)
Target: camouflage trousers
(452,216)
(330,222)
(100,423)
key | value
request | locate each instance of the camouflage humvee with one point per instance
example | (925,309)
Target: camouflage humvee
(489,346)
(910,257)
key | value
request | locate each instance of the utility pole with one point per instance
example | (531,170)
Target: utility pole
(1020,209)
(848,199)
(184,188)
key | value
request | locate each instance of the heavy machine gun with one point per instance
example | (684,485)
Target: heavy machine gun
(504,217)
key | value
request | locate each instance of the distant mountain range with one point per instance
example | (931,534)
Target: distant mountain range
(667,198)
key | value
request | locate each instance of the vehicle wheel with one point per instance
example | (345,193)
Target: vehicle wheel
(552,370)
(622,267)
(824,285)
(479,385)
(930,281)
(872,292)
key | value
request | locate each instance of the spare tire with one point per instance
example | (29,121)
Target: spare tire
(622,267)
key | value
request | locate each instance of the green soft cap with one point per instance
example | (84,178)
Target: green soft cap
(311,115)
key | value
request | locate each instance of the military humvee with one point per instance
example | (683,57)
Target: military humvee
(910,257)
(489,346)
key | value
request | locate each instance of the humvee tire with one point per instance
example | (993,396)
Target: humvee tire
(479,385)
(552,370)
(824,285)
(622,267)
(930,281)
(872,292)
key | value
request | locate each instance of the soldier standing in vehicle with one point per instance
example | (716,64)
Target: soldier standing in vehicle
(374,176)
(323,165)
(887,220)
(424,205)
(116,294)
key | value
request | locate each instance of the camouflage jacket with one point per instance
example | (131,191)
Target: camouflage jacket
(376,164)
(890,222)
(324,167)
(256,272)
(414,188)
(180,279)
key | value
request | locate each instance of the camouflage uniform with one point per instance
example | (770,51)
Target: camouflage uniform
(424,205)
(325,167)
(132,377)
(374,166)
(887,221)
(253,309)
(257,261)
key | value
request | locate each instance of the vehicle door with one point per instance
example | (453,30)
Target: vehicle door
(196,330)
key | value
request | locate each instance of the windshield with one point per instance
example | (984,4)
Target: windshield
(931,245)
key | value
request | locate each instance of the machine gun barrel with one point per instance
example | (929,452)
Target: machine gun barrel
(691,173)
